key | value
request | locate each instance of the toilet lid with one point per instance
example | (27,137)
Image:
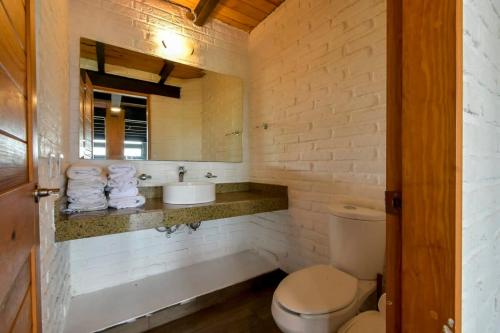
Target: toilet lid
(370,321)
(316,290)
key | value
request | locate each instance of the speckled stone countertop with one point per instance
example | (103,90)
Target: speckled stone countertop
(236,199)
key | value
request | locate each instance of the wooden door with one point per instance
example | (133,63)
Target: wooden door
(424,160)
(19,238)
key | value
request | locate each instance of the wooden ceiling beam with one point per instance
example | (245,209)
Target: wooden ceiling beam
(101,58)
(124,83)
(203,10)
(165,72)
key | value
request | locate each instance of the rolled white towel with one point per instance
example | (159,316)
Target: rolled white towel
(116,193)
(127,202)
(123,185)
(122,168)
(83,172)
(84,192)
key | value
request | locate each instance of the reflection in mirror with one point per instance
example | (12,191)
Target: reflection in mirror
(135,106)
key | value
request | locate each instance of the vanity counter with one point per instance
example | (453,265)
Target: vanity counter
(231,200)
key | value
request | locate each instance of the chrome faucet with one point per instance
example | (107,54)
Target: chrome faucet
(182,172)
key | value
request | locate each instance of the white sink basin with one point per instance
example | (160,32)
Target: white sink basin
(188,193)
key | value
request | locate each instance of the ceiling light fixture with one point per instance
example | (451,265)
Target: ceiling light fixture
(176,46)
(115,109)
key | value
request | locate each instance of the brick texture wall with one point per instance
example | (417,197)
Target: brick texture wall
(481,179)
(318,81)
(136,25)
(52,100)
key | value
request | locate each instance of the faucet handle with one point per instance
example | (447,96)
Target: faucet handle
(182,169)
(143,176)
(210,175)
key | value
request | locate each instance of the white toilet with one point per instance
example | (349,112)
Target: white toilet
(322,298)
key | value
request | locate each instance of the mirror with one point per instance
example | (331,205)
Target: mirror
(135,106)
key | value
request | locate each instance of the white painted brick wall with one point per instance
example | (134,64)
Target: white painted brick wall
(52,101)
(134,25)
(107,261)
(317,73)
(481,178)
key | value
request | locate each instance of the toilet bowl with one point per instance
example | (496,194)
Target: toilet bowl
(322,298)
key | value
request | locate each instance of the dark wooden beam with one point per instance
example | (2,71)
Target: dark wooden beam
(133,85)
(166,70)
(99,50)
(203,10)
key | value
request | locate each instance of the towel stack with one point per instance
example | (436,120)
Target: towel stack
(123,187)
(86,188)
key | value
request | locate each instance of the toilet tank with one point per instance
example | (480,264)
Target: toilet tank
(357,240)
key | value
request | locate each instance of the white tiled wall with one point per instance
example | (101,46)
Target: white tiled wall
(52,101)
(318,81)
(481,178)
(101,262)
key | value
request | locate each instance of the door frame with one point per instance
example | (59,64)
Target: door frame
(424,164)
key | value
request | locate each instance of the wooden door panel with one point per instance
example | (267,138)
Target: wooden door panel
(14,299)
(17,234)
(24,320)
(12,56)
(19,240)
(13,163)
(15,10)
(12,108)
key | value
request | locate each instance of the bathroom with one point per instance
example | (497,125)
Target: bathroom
(284,112)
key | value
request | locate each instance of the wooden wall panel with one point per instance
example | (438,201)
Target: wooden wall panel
(12,108)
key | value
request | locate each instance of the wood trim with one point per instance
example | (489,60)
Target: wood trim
(459,19)
(394,163)
(148,117)
(432,164)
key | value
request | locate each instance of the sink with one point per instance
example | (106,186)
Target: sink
(188,193)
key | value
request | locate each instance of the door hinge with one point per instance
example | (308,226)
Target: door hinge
(393,202)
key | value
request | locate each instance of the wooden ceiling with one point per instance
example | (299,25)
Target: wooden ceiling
(241,14)
(118,56)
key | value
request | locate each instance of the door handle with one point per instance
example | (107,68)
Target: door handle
(44,192)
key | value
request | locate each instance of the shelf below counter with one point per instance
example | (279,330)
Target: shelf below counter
(231,200)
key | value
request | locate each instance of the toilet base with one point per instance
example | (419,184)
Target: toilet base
(290,322)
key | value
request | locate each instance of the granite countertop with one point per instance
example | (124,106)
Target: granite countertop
(235,199)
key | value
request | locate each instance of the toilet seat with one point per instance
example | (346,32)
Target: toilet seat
(370,321)
(316,290)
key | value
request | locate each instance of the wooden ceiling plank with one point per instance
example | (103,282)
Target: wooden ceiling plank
(246,9)
(203,11)
(262,5)
(236,16)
